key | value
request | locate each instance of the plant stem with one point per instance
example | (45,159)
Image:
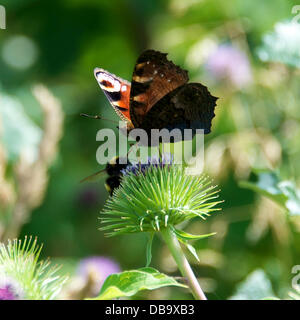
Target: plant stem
(182,263)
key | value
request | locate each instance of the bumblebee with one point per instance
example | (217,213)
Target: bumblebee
(114,171)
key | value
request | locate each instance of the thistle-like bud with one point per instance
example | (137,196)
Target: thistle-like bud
(22,277)
(157,195)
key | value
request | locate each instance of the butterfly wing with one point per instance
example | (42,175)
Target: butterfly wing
(188,107)
(117,91)
(154,77)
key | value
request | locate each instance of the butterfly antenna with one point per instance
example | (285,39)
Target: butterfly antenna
(97,117)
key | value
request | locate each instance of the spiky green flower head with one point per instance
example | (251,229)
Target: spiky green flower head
(23,277)
(157,195)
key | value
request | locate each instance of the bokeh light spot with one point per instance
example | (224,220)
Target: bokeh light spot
(19,52)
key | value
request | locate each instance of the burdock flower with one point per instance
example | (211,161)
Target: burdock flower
(156,198)
(22,277)
(157,195)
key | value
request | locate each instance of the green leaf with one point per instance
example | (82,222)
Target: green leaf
(267,185)
(292,203)
(149,249)
(128,283)
(182,235)
(192,250)
(256,286)
(285,193)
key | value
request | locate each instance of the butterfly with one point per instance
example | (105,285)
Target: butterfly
(159,96)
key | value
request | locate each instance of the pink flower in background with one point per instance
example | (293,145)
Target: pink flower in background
(10,289)
(7,293)
(98,268)
(229,63)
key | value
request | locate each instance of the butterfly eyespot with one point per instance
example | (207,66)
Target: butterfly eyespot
(161,75)
(117,91)
(106,84)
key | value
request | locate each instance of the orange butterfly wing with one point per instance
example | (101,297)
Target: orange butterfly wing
(117,91)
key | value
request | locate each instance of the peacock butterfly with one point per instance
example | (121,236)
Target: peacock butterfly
(159,96)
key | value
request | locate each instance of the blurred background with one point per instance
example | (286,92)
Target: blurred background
(246,52)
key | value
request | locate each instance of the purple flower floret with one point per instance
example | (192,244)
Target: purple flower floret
(99,268)
(7,293)
(9,289)
(155,161)
(230,63)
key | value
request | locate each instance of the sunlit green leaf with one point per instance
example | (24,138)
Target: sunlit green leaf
(187,236)
(285,193)
(192,250)
(128,283)
(256,286)
(292,203)
(149,250)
